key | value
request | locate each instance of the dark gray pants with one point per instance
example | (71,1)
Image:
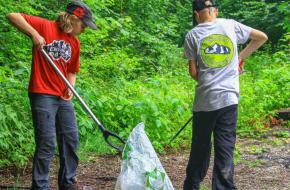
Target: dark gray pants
(222,123)
(53,120)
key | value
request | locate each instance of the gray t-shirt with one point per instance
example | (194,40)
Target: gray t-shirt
(214,46)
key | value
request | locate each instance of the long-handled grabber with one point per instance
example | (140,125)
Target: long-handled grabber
(181,129)
(106,133)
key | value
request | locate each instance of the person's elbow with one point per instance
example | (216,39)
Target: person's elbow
(12,16)
(258,36)
(264,37)
(9,16)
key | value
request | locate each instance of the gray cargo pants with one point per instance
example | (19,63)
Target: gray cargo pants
(53,120)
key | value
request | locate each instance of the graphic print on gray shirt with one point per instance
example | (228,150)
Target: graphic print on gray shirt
(214,47)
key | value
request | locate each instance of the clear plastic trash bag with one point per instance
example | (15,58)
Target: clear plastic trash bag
(141,168)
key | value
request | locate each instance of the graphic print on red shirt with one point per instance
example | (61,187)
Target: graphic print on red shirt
(59,50)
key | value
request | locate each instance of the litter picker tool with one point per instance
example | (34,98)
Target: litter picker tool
(181,129)
(106,133)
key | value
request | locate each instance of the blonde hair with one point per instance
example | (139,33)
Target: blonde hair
(66,21)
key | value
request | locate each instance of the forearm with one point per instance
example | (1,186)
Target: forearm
(72,78)
(251,47)
(19,22)
(67,95)
(258,38)
(193,75)
(192,69)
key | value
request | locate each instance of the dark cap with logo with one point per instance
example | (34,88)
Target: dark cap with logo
(83,12)
(198,5)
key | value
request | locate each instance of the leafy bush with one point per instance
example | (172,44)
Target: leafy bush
(264,87)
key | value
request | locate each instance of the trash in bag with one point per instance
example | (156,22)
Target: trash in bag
(141,168)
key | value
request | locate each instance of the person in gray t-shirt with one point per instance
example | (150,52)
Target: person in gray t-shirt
(215,63)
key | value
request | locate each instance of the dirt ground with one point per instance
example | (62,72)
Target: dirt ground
(262,164)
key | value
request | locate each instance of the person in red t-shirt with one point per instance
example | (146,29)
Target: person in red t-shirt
(52,111)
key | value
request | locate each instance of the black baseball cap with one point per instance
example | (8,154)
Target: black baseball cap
(198,5)
(83,12)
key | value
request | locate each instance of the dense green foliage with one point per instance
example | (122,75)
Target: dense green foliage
(132,71)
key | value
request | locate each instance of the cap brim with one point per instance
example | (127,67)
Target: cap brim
(90,24)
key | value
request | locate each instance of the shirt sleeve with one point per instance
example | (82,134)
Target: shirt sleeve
(36,22)
(242,31)
(74,66)
(190,50)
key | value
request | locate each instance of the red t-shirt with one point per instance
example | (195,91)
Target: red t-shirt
(63,48)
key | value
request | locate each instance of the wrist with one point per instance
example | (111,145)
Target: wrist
(241,61)
(33,33)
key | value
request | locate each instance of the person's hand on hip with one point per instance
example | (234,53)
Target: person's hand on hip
(67,96)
